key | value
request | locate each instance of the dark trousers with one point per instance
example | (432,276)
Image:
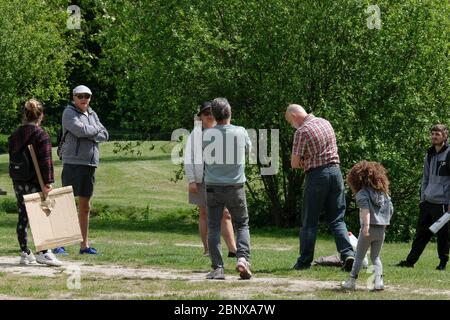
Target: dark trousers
(21,189)
(324,192)
(429,213)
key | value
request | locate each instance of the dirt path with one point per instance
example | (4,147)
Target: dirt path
(5,297)
(282,285)
(11,265)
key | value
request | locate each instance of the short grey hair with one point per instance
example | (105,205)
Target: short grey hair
(295,108)
(221,109)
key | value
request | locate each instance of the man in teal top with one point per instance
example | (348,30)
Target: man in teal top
(225,146)
(224,151)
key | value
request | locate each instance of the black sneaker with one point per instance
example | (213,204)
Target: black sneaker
(405,264)
(441,266)
(301,266)
(348,264)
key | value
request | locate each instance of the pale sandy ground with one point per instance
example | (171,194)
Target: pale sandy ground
(280,285)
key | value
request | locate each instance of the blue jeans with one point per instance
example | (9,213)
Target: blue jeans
(324,191)
(232,197)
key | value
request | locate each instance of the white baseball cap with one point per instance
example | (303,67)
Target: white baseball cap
(82,89)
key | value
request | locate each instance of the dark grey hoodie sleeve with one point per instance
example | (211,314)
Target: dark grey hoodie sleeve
(71,122)
(447,187)
(425,178)
(103,134)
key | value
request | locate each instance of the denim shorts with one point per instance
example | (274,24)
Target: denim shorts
(81,178)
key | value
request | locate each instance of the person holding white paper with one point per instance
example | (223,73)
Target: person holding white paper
(434,199)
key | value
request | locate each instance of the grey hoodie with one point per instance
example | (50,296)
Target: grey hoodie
(378,203)
(436,176)
(82,134)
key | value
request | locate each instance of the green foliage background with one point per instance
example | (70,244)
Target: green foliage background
(151,63)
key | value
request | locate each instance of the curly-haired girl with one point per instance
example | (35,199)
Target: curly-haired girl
(370,184)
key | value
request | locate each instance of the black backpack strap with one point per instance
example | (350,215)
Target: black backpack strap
(60,144)
(64,136)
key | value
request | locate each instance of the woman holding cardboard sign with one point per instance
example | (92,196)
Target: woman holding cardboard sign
(24,176)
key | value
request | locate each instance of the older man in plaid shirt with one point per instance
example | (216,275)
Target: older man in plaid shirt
(315,151)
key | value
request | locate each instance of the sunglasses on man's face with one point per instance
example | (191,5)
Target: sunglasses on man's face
(206,113)
(83,96)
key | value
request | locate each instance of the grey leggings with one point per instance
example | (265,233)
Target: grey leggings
(375,242)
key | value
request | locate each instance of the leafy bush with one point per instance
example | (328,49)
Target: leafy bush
(381,89)
(35,56)
(8,205)
(153,62)
(3,143)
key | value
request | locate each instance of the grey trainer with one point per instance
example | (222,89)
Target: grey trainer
(350,284)
(216,274)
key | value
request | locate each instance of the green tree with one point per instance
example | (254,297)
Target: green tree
(34,57)
(380,88)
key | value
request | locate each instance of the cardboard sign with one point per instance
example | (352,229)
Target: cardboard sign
(54,221)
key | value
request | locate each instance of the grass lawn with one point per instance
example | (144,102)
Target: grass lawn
(142,221)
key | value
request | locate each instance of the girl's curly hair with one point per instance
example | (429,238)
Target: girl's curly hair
(368,174)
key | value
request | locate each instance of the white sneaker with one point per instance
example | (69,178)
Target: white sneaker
(243,267)
(378,283)
(48,259)
(26,258)
(350,284)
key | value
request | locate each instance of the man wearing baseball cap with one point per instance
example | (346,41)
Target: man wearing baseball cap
(79,152)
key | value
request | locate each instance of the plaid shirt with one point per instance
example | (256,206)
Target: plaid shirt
(315,143)
(31,134)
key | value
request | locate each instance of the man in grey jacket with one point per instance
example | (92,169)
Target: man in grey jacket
(434,199)
(82,132)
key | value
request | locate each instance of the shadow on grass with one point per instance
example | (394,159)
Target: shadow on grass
(180,222)
(171,224)
(9,222)
(127,218)
(157,225)
(278,270)
(119,158)
(4,166)
(12,250)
